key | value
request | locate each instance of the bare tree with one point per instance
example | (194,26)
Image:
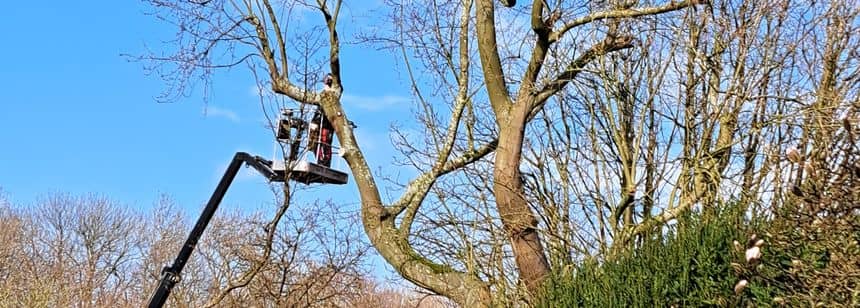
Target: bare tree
(12,239)
(204,27)
(94,252)
(70,252)
(653,133)
(695,116)
(312,259)
(700,119)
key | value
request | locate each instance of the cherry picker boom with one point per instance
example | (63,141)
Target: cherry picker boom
(170,275)
(289,168)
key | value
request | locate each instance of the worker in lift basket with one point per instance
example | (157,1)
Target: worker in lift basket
(322,132)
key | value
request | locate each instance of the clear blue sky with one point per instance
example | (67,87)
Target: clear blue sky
(77,117)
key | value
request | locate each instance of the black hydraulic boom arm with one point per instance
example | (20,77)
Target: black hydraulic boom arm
(170,275)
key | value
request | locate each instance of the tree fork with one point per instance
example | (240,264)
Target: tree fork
(466,289)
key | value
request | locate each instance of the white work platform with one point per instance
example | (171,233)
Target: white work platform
(307,172)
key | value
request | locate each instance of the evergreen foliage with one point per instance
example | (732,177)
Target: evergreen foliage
(690,265)
(699,260)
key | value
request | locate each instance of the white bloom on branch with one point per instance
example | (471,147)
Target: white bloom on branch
(740,286)
(753,254)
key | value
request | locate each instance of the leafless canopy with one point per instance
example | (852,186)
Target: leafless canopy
(599,121)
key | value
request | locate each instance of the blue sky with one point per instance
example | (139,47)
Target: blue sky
(77,117)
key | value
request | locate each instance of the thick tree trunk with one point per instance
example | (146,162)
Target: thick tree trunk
(518,220)
(517,217)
